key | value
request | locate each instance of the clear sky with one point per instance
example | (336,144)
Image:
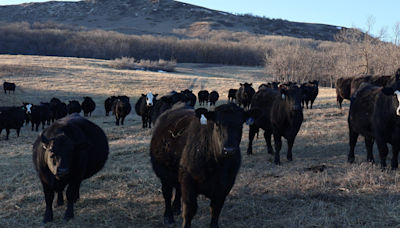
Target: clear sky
(346,13)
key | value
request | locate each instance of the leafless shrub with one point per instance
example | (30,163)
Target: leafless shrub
(130,63)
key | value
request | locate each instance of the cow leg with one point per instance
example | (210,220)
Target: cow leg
(176,206)
(383,151)
(339,101)
(353,141)
(189,198)
(167,194)
(122,120)
(18,131)
(144,123)
(215,209)
(290,142)
(311,103)
(48,196)
(395,151)
(43,124)
(72,197)
(278,146)
(252,132)
(267,137)
(307,104)
(33,125)
(8,133)
(37,126)
(149,119)
(60,198)
(117,120)
(368,145)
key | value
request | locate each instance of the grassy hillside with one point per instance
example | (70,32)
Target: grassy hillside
(127,193)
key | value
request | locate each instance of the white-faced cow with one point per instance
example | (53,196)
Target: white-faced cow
(197,152)
(67,152)
(88,106)
(282,116)
(38,114)
(144,106)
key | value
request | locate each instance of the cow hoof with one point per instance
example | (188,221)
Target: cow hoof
(351,160)
(289,158)
(177,212)
(65,220)
(46,220)
(169,220)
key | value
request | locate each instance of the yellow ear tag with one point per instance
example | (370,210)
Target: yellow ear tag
(203,120)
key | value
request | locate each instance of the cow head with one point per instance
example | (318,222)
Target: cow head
(395,93)
(28,108)
(150,99)
(227,124)
(59,153)
(293,96)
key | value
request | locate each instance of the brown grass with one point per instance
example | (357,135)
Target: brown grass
(126,193)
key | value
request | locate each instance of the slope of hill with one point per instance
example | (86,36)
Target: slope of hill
(166,17)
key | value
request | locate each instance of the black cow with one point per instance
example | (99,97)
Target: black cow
(58,109)
(342,90)
(362,105)
(108,104)
(197,152)
(88,106)
(244,94)
(67,152)
(166,102)
(11,118)
(232,94)
(282,116)
(213,97)
(121,108)
(310,93)
(47,104)
(38,114)
(74,106)
(203,96)
(270,85)
(377,80)
(190,97)
(144,106)
(9,86)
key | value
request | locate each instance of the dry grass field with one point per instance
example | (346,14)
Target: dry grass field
(318,189)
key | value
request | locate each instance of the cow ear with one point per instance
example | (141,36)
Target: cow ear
(155,95)
(204,113)
(388,91)
(250,84)
(143,95)
(81,146)
(44,140)
(241,84)
(251,115)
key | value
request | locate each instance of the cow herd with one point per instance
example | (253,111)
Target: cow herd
(196,151)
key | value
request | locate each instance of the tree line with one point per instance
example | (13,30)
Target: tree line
(285,58)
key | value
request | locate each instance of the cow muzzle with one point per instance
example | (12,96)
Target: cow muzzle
(62,172)
(229,151)
(296,107)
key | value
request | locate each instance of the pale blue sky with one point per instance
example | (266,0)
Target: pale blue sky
(347,13)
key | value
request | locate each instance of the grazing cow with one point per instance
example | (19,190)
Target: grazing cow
(74,106)
(244,94)
(67,152)
(121,108)
(88,106)
(144,106)
(362,105)
(213,97)
(282,116)
(342,90)
(38,114)
(310,93)
(166,102)
(9,86)
(58,109)
(108,104)
(11,118)
(203,96)
(232,94)
(190,97)
(197,152)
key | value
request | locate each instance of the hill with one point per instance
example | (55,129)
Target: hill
(166,17)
